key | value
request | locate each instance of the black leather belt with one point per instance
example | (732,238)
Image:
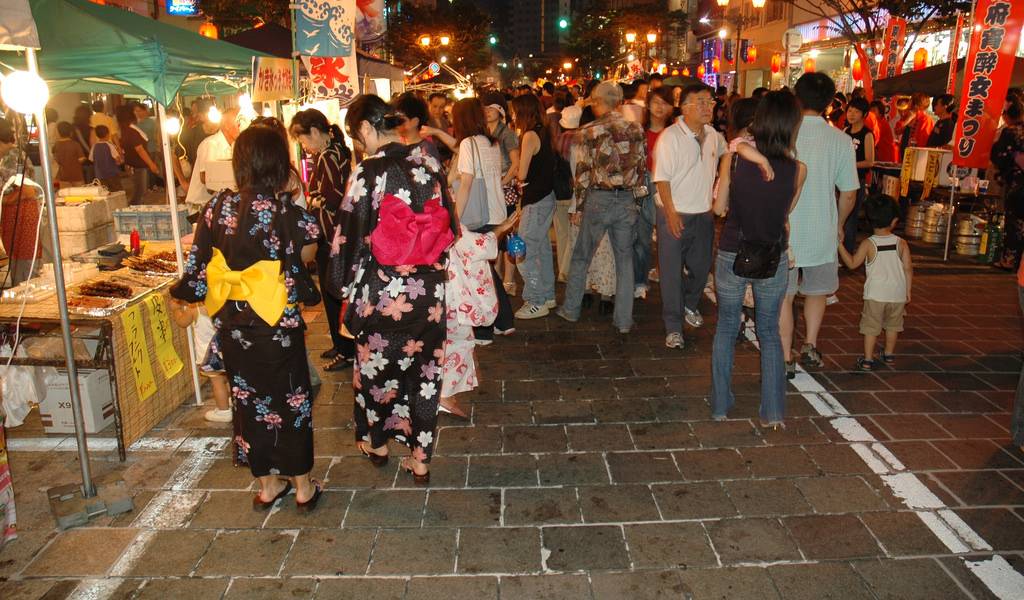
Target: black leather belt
(613,189)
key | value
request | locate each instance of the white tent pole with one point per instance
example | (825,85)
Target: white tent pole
(172,201)
(88,488)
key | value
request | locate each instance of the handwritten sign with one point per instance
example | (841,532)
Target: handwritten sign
(271,79)
(138,352)
(160,327)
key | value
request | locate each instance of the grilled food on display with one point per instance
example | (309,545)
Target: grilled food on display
(106,289)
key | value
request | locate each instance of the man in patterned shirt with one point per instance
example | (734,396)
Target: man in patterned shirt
(611,163)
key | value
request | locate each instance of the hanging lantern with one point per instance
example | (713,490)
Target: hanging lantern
(920,59)
(675,72)
(686,71)
(776,62)
(808,65)
(752,54)
(701,71)
(716,65)
(857,70)
(208,30)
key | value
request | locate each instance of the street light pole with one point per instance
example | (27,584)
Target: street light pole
(736,54)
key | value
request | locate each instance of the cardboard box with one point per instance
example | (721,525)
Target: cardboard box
(97,402)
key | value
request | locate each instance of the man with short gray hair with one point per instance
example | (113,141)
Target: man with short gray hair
(610,155)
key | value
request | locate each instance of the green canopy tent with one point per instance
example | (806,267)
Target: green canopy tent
(87,47)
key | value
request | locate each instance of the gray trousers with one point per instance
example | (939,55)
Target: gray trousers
(693,250)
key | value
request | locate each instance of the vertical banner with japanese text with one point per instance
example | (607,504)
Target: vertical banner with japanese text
(271,79)
(995,34)
(160,327)
(954,49)
(325,37)
(892,54)
(138,352)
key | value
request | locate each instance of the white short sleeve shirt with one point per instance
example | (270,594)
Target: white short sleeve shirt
(689,167)
(490,166)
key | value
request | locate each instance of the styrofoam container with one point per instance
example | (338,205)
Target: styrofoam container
(77,242)
(97,402)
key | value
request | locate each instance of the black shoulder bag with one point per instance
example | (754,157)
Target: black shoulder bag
(755,260)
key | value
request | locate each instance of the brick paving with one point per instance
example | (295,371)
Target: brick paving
(591,469)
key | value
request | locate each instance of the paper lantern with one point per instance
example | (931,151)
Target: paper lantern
(751,54)
(686,71)
(858,70)
(208,30)
(809,65)
(776,62)
(675,72)
(716,65)
(920,59)
(701,71)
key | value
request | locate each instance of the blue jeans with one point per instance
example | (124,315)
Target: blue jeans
(768,296)
(537,266)
(1017,421)
(613,212)
(644,229)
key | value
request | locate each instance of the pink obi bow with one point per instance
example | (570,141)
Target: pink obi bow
(406,237)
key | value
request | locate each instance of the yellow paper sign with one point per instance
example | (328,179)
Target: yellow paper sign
(135,337)
(931,173)
(909,159)
(160,327)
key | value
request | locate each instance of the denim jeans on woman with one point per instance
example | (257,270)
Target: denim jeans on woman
(768,296)
(537,267)
(644,230)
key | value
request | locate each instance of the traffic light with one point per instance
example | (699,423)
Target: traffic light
(493,40)
(563,23)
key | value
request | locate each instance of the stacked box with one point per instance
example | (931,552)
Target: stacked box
(152,222)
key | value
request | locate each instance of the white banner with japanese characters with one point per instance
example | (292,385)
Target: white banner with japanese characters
(271,79)
(325,37)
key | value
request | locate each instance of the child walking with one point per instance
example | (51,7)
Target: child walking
(211,363)
(887,287)
(106,159)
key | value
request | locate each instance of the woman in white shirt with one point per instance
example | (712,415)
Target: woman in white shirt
(479,157)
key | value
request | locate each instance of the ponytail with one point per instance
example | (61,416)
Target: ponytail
(373,110)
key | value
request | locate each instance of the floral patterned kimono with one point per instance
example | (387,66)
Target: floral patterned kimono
(472,301)
(266,365)
(395,313)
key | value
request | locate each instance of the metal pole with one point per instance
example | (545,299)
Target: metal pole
(949,220)
(179,255)
(88,488)
(736,54)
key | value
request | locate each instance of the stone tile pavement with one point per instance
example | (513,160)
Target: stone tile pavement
(591,469)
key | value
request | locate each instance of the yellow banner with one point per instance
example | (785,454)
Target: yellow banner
(160,327)
(931,173)
(908,169)
(135,338)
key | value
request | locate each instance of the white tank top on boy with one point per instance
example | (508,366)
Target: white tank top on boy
(886,280)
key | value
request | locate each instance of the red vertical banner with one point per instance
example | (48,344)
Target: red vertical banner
(954,49)
(995,34)
(892,54)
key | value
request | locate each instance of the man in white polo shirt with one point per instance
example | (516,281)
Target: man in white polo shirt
(685,163)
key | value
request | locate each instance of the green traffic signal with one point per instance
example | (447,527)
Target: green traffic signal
(493,40)
(563,23)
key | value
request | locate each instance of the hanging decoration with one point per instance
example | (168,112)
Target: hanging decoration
(809,65)
(716,65)
(701,71)
(752,54)
(208,30)
(326,40)
(857,70)
(920,59)
(686,71)
(776,62)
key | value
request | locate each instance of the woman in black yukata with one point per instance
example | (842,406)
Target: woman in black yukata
(247,264)
(388,258)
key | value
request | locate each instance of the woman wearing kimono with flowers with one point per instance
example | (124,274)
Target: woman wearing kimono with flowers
(247,266)
(388,258)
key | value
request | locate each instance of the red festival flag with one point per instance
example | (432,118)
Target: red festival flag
(954,49)
(995,35)
(892,54)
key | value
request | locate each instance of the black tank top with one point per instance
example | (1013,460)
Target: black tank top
(760,206)
(540,177)
(859,142)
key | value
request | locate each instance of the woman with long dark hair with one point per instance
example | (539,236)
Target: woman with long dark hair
(537,174)
(332,164)
(388,255)
(247,265)
(758,211)
(660,113)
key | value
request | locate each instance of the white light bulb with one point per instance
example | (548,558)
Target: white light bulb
(245,107)
(268,112)
(815,53)
(878,58)
(213,115)
(24,92)
(172,125)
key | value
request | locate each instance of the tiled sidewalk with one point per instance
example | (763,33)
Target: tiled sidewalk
(591,469)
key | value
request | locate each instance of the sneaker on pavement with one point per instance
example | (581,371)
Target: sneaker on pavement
(674,340)
(833,299)
(550,304)
(693,318)
(532,311)
(810,356)
(640,292)
(508,331)
(217,415)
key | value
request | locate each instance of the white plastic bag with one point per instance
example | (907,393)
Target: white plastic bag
(22,387)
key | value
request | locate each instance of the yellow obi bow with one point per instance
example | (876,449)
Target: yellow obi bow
(260,284)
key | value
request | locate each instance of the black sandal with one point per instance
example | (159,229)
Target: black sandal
(418,479)
(330,354)
(310,505)
(339,363)
(376,460)
(259,505)
(865,365)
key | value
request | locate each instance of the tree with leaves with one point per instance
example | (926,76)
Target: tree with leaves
(232,16)
(467,28)
(863,21)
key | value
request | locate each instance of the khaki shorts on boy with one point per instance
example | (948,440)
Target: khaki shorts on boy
(878,316)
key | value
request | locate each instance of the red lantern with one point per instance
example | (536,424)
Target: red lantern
(920,59)
(686,71)
(809,65)
(716,65)
(776,63)
(701,71)
(675,72)
(752,54)
(208,30)
(858,70)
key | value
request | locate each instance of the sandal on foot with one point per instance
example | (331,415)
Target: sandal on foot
(329,354)
(259,504)
(418,479)
(452,408)
(377,460)
(310,505)
(888,358)
(865,364)
(338,363)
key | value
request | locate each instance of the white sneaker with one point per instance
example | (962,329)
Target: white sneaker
(218,416)
(640,292)
(693,318)
(508,331)
(550,304)
(674,340)
(532,311)
(484,342)
(833,299)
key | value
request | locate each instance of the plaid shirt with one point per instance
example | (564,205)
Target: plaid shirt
(610,153)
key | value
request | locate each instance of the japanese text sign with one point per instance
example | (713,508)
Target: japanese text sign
(138,352)
(160,328)
(989,63)
(892,53)
(954,49)
(271,79)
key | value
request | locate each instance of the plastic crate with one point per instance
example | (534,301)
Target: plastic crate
(152,222)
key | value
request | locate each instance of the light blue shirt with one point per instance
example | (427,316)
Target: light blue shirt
(831,165)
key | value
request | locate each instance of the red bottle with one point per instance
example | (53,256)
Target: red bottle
(136,244)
